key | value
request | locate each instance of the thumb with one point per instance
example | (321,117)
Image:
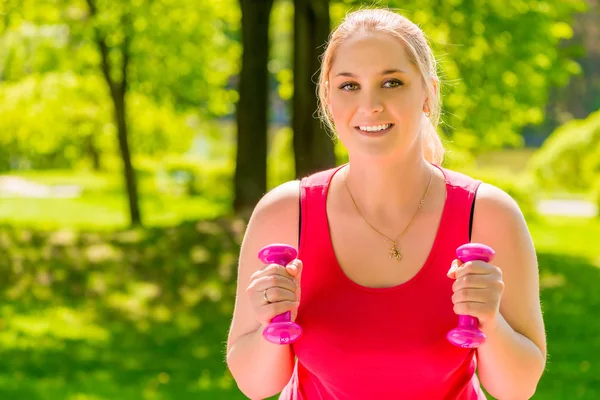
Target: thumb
(294,268)
(453,268)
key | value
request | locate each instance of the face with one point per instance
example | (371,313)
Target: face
(376,96)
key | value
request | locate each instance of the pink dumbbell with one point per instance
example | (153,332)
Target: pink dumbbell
(467,333)
(281,329)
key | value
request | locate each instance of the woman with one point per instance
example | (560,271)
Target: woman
(376,285)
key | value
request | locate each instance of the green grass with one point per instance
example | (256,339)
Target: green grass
(105,211)
(569,275)
(103,203)
(139,314)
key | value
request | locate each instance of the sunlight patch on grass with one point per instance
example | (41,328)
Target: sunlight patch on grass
(104,212)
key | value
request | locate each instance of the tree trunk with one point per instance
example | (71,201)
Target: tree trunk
(92,151)
(313,147)
(130,178)
(118,91)
(252,108)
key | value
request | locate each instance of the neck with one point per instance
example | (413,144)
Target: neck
(388,191)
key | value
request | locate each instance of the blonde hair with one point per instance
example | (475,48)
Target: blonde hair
(419,51)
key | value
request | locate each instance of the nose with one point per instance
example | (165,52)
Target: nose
(370,103)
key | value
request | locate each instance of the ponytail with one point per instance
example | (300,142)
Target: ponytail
(433,149)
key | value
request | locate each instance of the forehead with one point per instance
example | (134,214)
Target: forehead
(370,53)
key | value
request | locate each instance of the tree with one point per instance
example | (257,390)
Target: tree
(313,148)
(178,62)
(250,180)
(118,87)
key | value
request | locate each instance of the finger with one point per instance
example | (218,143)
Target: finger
(294,268)
(270,269)
(475,268)
(472,281)
(276,295)
(272,281)
(453,267)
(471,295)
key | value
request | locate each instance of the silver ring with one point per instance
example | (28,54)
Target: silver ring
(265,296)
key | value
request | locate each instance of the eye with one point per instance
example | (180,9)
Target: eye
(392,83)
(349,86)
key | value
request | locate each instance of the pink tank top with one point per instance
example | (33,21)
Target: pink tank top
(374,343)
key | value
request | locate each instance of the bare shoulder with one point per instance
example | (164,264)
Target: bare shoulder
(275,218)
(499,222)
(279,206)
(279,195)
(494,204)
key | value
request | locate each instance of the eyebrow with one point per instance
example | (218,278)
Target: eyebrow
(384,72)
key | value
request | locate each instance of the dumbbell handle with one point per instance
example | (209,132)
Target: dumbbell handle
(467,333)
(281,329)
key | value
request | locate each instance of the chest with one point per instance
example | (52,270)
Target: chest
(388,253)
(382,336)
(372,260)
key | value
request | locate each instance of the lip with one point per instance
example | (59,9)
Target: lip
(377,133)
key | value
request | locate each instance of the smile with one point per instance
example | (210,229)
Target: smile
(375,128)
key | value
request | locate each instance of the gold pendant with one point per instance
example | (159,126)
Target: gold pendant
(395,253)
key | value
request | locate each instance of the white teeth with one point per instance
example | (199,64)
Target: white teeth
(375,128)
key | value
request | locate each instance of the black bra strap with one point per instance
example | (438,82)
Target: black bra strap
(472,213)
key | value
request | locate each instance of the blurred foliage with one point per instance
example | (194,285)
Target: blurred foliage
(76,109)
(521,187)
(182,54)
(570,157)
(181,60)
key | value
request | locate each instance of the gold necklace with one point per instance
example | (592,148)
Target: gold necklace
(394,251)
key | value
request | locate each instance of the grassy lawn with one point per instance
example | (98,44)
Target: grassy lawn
(102,204)
(570,271)
(93,311)
(125,315)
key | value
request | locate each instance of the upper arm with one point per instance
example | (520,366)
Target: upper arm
(499,223)
(274,220)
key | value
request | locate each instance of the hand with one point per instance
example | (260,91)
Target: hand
(280,285)
(478,288)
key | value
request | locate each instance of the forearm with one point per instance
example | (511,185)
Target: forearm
(260,369)
(509,364)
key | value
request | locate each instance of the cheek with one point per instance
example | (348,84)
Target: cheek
(340,107)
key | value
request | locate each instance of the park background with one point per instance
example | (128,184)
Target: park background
(135,137)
